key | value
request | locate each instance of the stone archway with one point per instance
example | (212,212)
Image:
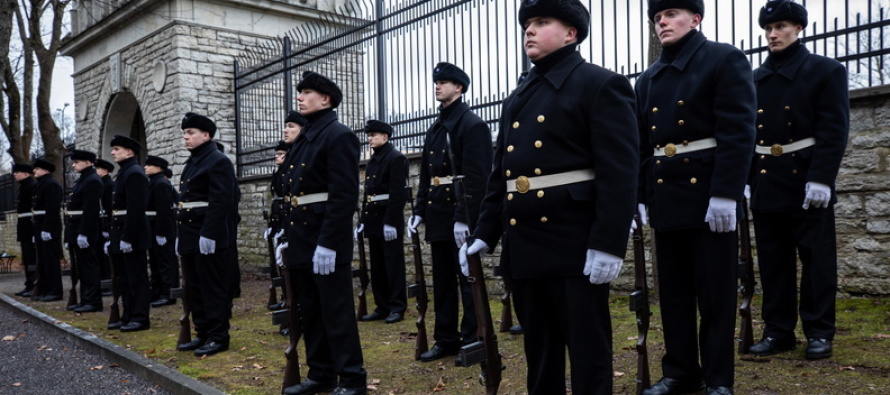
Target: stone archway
(123,116)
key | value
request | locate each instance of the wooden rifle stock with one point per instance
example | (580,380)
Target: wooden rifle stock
(115,314)
(418,291)
(292,368)
(746,276)
(639,303)
(491,363)
(185,325)
(273,271)
(363,279)
(507,312)
(75,274)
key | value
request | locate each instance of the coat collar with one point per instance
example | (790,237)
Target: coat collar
(457,113)
(133,162)
(86,173)
(557,75)
(313,129)
(381,152)
(683,59)
(788,69)
(198,152)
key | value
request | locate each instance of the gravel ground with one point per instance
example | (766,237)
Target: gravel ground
(36,360)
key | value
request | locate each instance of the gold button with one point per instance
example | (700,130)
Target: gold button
(538,144)
(658,162)
(790,140)
(507,173)
(512,221)
(654,109)
(291,223)
(686,161)
(509,148)
(540,119)
(540,194)
(537,171)
(794,171)
(685,142)
(760,111)
(431,152)
(509,196)
(760,126)
(447,189)
(681,122)
(693,180)
(654,127)
(788,124)
(787,108)
(305,223)
(544,219)
(516,125)
(305,208)
(761,142)
(763,171)
(302,165)
(762,156)
(660,181)
(680,103)
(291,166)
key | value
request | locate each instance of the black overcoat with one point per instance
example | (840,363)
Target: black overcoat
(24,225)
(130,189)
(85,196)
(208,176)
(385,173)
(161,198)
(48,197)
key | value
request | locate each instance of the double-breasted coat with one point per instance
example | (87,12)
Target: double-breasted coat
(385,173)
(24,226)
(209,177)
(47,197)
(161,198)
(130,189)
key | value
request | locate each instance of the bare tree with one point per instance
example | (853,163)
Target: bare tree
(872,70)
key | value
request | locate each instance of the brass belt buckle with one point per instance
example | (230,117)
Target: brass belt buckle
(776,150)
(670,150)
(522,184)
(369,198)
(180,205)
(294,201)
(435,181)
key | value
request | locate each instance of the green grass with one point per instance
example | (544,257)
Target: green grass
(255,362)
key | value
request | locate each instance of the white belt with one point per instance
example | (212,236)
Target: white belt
(74,212)
(26,215)
(670,149)
(377,198)
(185,205)
(523,184)
(778,149)
(436,181)
(39,212)
(307,199)
(151,213)
(118,213)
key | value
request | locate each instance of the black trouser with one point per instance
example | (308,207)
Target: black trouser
(164,269)
(208,294)
(327,311)
(133,274)
(88,272)
(29,262)
(49,267)
(781,238)
(559,313)
(698,270)
(388,275)
(446,276)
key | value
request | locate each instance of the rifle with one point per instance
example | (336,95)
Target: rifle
(74,268)
(362,274)
(272,302)
(185,326)
(115,314)
(639,303)
(292,314)
(418,290)
(746,276)
(507,312)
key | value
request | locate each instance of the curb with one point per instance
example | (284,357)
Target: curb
(148,369)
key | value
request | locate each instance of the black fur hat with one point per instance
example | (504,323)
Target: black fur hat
(296,118)
(168,173)
(448,72)
(374,125)
(104,164)
(696,6)
(782,10)
(571,12)
(22,168)
(83,155)
(323,85)
(40,163)
(156,161)
(198,121)
(126,142)
(282,146)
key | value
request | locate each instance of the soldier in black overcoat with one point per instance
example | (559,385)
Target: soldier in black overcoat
(161,219)
(382,221)
(206,200)
(803,121)
(130,235)
(322,193)
(233,269)
(24,233)
(104,169)
(47,208)
(562,194)
(83,230)
(458,143)
(695,108)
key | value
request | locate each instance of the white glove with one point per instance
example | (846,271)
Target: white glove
(413,223)
(176,247)
(45,236)
(82,241)
(323,260)
(602,267)
(279,256)
(478,246)
(161,240)
(107,243)
(747,192)
(266,233)
(278,237)
(126,248)
(105,235)
(206,246)
(721,214)
(389,233)
(65,245)
(644,219)
(461,231)
(358,229)
(818,195)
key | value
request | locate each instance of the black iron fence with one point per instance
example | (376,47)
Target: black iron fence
(382,53)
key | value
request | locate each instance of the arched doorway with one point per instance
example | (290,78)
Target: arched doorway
(123,116)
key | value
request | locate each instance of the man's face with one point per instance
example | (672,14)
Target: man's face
(543,35)
(781,34)
(79,165)
(101,172)
(447,92)
(194,137)
(38,172)
(280,156)
(311,101)
(20,175)
(674,23)
(377,139)
(119,154)
(152,170)
(291,131)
